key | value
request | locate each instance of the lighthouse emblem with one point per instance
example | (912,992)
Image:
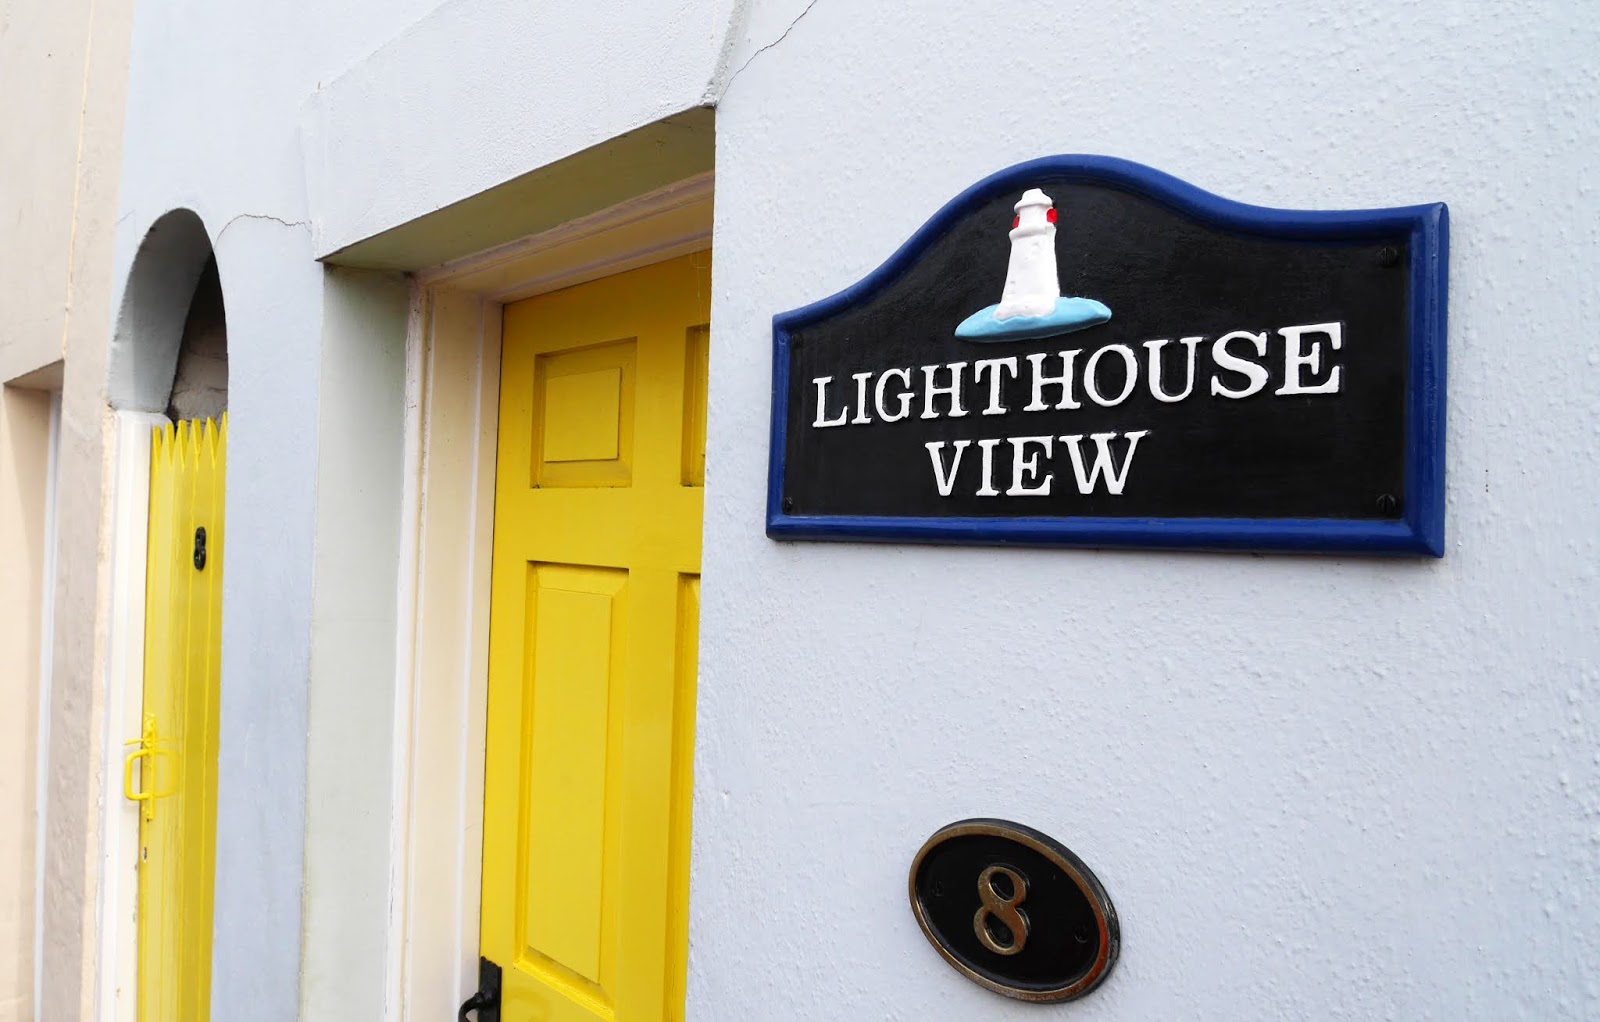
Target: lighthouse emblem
(1031,305)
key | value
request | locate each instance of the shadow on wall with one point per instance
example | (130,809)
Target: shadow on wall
(200,384)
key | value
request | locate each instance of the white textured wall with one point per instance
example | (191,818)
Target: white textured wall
(24,522)
(1314,787)
(351,699)
(291,129)
(62,67)
(216,92)
(44,55)
(481,91)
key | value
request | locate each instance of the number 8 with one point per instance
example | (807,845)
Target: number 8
(1003,909)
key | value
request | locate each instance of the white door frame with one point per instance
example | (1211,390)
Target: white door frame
(119,864)
(452,395)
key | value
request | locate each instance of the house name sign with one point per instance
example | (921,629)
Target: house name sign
(1163,368)
(1052,382)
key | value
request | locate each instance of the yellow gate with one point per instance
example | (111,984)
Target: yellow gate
(172,773)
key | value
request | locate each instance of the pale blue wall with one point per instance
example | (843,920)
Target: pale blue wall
(291,128)
(1314,787)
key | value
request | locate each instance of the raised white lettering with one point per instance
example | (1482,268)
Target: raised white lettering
(930,390)
(861,399)
(1255,373)
(1104,464)
(1041,380)
(1154,361)
(1296,359)
(1091,383)
(945,481)
(993,366)
(904,395)
(987,489)
(822,402)
(1025,467)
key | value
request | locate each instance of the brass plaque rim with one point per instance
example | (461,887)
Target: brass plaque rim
(1105,914)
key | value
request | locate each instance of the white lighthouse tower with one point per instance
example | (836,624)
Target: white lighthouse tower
(1032,286)
(1031,304)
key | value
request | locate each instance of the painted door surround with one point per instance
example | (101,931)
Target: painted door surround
(453,386)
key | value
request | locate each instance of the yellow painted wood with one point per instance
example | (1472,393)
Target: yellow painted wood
(582,416)
(582,434)
(697,363)
(592,646)
(173,769)
(578,618)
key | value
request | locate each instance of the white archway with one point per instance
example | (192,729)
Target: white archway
(143,359)
(171,322)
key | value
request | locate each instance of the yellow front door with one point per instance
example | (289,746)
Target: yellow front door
(171,770)
(594,609)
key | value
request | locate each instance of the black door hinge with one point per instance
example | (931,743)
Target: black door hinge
(486,1002)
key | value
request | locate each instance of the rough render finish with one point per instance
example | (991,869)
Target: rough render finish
(24,479)
(1314,787)
(43,52)
(1321,788)
(227,117)
(480,91)
(62,158)
(213,126)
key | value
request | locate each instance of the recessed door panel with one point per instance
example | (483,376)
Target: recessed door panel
(583,416)
(575,634)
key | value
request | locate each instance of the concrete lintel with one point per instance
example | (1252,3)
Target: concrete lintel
(596,178)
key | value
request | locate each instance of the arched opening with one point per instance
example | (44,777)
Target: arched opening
(168,380)
(173,295)
(200,379)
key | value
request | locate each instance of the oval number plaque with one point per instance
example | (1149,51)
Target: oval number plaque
(1014,910)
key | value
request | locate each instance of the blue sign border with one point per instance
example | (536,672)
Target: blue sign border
(1421,529)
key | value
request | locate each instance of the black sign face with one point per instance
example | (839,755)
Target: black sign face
(1014,911)
(1080,350)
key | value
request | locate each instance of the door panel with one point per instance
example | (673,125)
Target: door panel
(594,611)
(578,628)
(583,435)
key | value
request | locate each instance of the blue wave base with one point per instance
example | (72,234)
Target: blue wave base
(1070,314)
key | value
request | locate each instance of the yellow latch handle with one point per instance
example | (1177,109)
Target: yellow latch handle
(127,781)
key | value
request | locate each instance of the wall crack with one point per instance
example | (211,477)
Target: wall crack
(261,216)
(750,59)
